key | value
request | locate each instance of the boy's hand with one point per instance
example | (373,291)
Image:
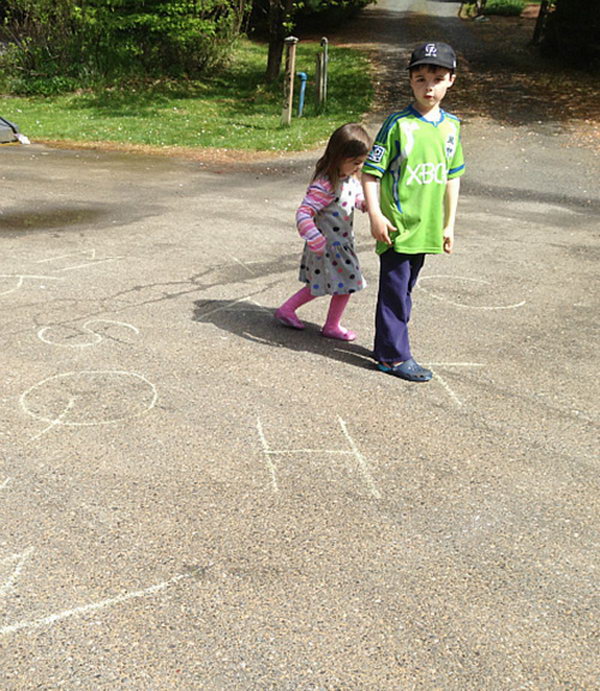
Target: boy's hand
(381,228)
(448,240)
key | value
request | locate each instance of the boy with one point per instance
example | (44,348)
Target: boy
(411,181)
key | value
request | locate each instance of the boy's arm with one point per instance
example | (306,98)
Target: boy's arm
(380,226)
(450,205)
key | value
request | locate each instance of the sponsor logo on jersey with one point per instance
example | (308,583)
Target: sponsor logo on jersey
(377,153)
(426,173)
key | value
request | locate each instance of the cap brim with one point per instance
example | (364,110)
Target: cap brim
(434,63)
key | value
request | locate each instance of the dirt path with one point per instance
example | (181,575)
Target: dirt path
(501,77)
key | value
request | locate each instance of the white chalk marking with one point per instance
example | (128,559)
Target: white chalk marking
(22,278)
(262,307)
(94,606)
(258,339)
(55,421)
(98,338)
(362,461)
(270,464)
(19,560)
(241,263)
(5,483)
(443,298)
(444,383)
(88,254)
(449,391)
(94,263)
(229,304)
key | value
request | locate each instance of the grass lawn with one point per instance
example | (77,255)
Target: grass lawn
(230,109)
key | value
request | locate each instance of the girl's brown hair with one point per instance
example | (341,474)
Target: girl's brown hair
(348,141)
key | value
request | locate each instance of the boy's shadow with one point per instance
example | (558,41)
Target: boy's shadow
(257,324)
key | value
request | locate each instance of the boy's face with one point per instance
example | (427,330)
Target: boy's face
(429,85)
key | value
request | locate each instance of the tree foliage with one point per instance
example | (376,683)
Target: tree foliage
(572,31)
(72,38)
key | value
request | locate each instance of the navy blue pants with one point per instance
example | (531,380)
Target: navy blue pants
(397,276)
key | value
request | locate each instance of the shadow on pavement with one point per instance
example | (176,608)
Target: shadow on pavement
(257,324)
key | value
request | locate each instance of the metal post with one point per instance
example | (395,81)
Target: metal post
(325,45)
(319,80)
(303,78)
(288,81)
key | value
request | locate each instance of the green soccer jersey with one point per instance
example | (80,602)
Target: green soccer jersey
(414,158)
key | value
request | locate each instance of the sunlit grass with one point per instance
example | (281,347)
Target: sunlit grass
(231,109)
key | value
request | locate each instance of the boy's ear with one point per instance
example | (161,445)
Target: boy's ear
(452,78)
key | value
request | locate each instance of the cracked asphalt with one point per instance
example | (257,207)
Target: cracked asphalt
(193,496)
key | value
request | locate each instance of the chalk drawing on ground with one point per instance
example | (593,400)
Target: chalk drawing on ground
(56,617)
(232,305)
(89,255)
(444,384)
(85,330)
(10,570)
(353,452)
(469,279)
(89,397)
(20,281)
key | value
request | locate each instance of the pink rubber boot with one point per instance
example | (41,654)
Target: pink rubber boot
(286,314)
(333,328)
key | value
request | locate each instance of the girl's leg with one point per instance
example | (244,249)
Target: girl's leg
(286,314)
(333,328)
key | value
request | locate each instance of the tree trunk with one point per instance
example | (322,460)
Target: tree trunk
(279,13)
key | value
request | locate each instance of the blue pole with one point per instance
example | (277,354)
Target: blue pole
(303,77)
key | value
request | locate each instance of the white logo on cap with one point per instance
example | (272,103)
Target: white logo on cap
(431,50)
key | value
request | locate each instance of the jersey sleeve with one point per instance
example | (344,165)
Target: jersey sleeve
(379,157)
(456,166)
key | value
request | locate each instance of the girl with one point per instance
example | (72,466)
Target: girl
(329,264)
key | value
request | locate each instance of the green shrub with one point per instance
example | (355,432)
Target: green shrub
(504,7)
(76,38)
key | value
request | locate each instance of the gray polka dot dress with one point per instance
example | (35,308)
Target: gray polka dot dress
(337,272)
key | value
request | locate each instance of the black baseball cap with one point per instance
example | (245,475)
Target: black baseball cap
(439,54)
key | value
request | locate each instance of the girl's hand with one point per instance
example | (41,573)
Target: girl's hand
(317,245)
(381,229)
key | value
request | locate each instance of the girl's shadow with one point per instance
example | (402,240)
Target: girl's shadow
(257,324)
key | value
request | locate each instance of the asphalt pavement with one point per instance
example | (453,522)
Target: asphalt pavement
(193,496)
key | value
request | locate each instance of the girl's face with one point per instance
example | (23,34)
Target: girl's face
(351,166)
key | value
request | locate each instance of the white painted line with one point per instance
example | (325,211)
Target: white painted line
(94,606)
(5,483)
